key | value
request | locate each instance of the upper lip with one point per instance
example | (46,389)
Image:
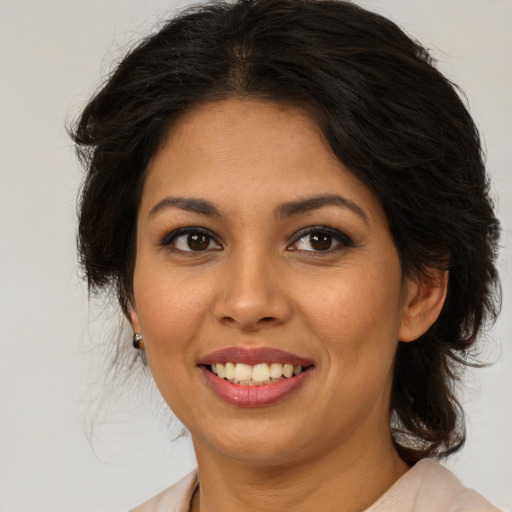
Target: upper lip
(253,355)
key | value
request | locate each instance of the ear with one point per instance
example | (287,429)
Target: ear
(134,317)
(424,300)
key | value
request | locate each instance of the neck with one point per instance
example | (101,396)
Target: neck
(354,478)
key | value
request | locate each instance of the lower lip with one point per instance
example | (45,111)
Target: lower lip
(254,396)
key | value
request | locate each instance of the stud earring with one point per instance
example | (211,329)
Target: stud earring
(138,342)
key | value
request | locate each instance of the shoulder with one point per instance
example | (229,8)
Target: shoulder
(173,499)
(430,487)
(427,487)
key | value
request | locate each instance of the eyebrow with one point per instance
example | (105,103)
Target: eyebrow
(283,211)
(314,203)
(201,206)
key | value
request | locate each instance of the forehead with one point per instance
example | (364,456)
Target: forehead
(245,128)
(249,150)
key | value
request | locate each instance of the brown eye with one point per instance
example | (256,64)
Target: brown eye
(198,242)
(191,241)
(320,241)
(324,239)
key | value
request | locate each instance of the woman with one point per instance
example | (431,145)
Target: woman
(290,203)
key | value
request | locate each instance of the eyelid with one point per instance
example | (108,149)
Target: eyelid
(168,238)
(338,235)
(342,238)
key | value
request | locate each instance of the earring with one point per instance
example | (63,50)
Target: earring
(138,342)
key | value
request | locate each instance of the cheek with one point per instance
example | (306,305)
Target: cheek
(356,324)
(356,317)
(171,312)
(171,308)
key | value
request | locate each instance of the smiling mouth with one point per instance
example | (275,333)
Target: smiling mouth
(255,375)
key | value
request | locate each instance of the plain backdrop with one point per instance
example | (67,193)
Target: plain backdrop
(54,343)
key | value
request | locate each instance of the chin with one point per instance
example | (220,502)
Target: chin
(255,444)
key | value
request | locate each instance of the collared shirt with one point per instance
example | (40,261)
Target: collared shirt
(426,487)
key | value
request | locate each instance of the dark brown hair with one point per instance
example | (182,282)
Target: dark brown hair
(387,114)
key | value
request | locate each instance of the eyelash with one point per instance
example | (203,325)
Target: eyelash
(169,239)
(336,235)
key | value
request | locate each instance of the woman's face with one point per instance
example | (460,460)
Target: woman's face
(257,249)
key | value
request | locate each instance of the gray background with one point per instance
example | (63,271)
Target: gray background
(54,344)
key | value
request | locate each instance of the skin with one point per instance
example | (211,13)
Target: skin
(259,282)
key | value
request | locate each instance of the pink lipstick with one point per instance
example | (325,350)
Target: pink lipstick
(254,355)
(267,390)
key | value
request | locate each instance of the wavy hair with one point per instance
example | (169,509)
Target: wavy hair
(388,114)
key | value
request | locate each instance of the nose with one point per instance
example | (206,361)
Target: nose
(252,294)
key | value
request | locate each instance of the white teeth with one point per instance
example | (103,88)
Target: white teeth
(288,370)
(262,373)
(220,370)
(229,371)
(276,370)
(242,372)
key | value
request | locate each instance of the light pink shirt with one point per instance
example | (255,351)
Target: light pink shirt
(426,487)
